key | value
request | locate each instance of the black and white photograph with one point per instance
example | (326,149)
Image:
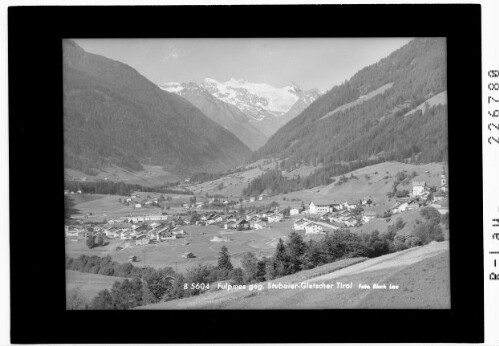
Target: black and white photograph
(273,173)
(214,173)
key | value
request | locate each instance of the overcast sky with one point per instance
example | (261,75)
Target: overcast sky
(309,62)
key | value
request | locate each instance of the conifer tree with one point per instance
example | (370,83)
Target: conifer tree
(296,249)
(224,259)
(90,241)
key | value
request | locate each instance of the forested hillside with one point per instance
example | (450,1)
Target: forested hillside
(351,123)
(113,115)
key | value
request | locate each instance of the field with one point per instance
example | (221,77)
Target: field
(150,176)
(233,184)
(360,100)
(438,99)
(419,277)
(100,206)
(106,207)
(408,217)
(198,241)
(89,284)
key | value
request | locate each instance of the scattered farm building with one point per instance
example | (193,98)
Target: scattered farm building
(300,224)
(418,188)
(274,218)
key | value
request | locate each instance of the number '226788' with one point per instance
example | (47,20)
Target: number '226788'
(494,86)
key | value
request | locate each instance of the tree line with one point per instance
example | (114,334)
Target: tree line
(120,188)
(275,182)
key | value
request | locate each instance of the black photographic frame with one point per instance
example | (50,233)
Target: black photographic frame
(38,312)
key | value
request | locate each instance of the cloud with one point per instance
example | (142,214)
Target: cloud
(170,54)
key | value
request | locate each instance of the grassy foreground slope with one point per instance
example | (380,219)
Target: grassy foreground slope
(421,274)
(89,284)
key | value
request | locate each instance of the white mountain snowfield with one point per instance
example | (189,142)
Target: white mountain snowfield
(257,100)
(239,92)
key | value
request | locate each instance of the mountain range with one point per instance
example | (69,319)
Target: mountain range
(223,113)
(394,109)
(115,116)
(266,107)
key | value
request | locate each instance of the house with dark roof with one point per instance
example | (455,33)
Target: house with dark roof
(242,225)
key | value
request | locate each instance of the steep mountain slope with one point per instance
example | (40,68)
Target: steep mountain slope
(225,114)
(362,119)
(265,106)
(113,115)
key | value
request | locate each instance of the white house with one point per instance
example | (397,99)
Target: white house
(318,228)
(367,216)
(399,207)
(110,232)
(156,218)
(252,199)
(300,224)
(154,224)
(229,225)
(125,235)
(257,225)
(274,218)
(252,215)
(138,205)
(350,222)
(349,206)
(443,179)
(313,228)
(142,240)
(442,207)
(336,207)
(294,211)
(71,232)
(418,188)
(318,208)
(443,210)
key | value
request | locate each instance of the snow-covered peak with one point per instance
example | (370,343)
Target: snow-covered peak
(243,93)
(258,100)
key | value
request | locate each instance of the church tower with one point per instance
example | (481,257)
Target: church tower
(443,179)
